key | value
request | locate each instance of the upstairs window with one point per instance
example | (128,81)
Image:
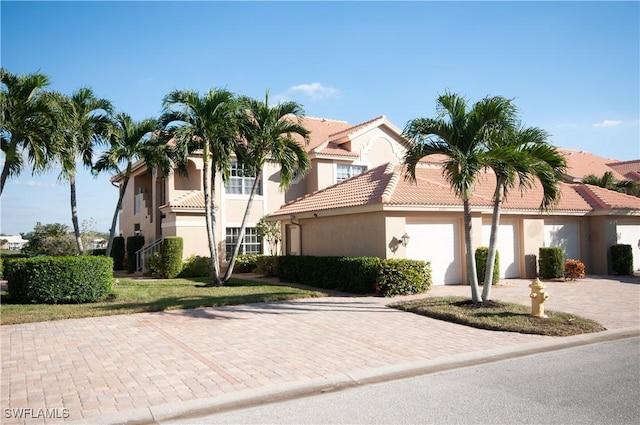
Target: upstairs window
(241,180)
(346,171)
(252,243)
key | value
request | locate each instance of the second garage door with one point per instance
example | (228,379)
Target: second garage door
(438,243)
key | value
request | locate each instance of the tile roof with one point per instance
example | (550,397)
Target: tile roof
(387,185)
(629,169)
(320,129)
(193,199)
(329,148)
(346,132)
(582,163)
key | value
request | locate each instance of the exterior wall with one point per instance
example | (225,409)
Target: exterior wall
(532,239)
(378,147)
(347,235)
(322,175)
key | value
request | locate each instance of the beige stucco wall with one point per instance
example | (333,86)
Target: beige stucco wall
(377,147)
(349,235)
(532,239)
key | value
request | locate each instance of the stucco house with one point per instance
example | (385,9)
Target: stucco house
(355,201)
(156,207)
(370,213)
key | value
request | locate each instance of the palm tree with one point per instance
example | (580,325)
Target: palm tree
(460,135)
(26,123)
(268,133)
(607,181)
(204,123)
(522,156)
(131,140)
(81,123)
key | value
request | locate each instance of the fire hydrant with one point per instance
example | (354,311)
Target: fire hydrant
(538,297)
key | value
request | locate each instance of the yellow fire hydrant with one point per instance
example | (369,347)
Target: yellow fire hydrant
(538,297)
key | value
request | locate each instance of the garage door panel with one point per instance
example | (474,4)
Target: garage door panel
(439,244)
(565,236)
(630,234)
(507,246)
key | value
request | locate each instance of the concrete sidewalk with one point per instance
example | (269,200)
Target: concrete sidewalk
(150,367)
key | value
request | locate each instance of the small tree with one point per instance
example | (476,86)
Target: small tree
(50,239)
(270,232)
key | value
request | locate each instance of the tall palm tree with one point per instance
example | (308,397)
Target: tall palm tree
(268,135)
(607,181)
(130,141)
(459,134)
(26,123)
(520,156)
(81,124)
(204,123)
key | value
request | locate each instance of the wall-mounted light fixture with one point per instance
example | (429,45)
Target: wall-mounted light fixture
(404,239)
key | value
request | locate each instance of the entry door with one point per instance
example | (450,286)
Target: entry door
(438,243)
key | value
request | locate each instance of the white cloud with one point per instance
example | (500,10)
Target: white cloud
(316,91)
(31,183)
(607,123)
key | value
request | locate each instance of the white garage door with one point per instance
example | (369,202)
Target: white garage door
(565,236)
(438,243)
(630,234)
(507,247)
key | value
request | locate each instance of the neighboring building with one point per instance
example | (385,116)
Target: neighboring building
(13,243)
(355,201)
(155,207)
(369,214)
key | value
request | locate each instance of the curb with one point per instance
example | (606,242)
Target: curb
(249,398)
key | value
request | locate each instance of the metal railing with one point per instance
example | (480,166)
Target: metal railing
(144,253)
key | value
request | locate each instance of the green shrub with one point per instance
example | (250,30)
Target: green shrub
(403,277)
(267,265)
(246,263)
(1,269)
(621,259)
(482,252)
(117,253)
(58,280)
(134,244)
(197,266)
(98,252)
(171,254)
(550,262)
(358,275)
(153,264)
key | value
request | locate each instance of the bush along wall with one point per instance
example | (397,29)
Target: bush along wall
(550,263)
(134,244)
(197,266)
(117,253)
(621,259)
(482,252)
(358,275)
(171,256)
(59,280)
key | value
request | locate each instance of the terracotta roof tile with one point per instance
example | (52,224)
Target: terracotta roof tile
(387,185)
(320,129)
(629,169)
(582,163)
(340,134)
(193,199)
(333,150)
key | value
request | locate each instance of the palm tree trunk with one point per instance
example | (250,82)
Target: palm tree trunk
(243,225)
(209,217)
(493,240)
(214,243)
(74,213)
(471,260)
(8,158)
(112,231)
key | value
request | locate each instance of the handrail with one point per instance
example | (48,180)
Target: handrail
(143,254)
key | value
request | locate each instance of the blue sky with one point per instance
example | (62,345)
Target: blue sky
(573,68)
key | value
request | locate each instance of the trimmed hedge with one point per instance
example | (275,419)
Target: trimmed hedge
(117,253)
(621,259)
(358,275)
(551,263)
(59,280)
(171,256)
(134,244)
(482,252)
(197,266)
(267,265)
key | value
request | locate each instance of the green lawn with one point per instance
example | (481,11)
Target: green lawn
(136,296)
(499,316)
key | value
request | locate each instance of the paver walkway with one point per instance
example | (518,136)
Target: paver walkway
(95,369)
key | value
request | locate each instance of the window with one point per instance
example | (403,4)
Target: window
(346,171)
(137,203)
(252,243)
(241,180)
